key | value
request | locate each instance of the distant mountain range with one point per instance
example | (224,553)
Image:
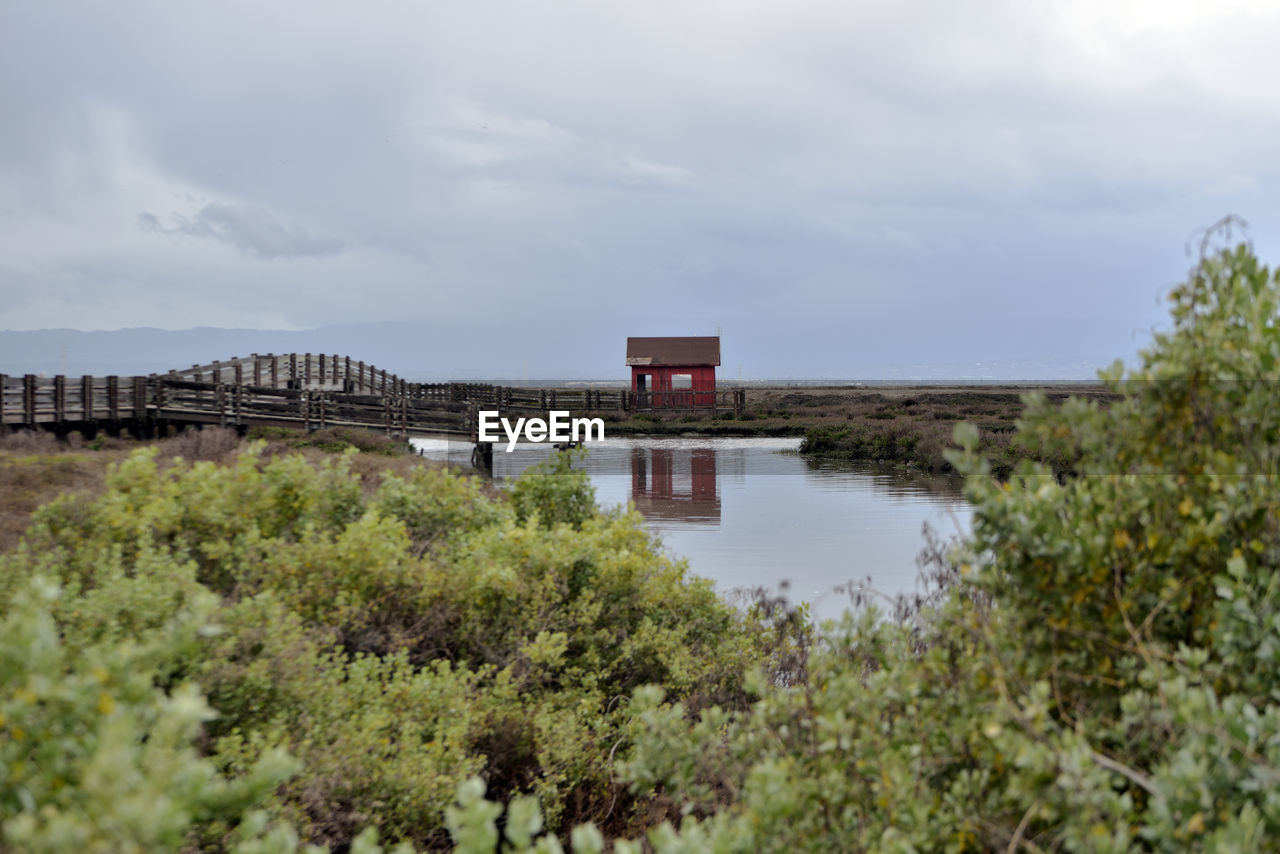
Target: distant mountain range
(412,350)
(424,351)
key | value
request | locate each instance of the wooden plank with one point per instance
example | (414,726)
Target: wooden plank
(282,393)
(187,384)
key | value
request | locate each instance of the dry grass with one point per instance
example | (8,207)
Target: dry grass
(212,444)
(35,468)
(915,426)
(778,411)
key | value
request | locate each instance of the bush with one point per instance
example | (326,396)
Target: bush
(555,492)
(395,641)
(95,757)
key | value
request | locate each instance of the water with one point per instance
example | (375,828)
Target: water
(751,513)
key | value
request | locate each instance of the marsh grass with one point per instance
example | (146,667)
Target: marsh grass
(916,429)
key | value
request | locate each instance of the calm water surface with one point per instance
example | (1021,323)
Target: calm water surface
(751,512)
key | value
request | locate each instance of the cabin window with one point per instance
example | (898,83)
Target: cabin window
(642,382)
(681,381)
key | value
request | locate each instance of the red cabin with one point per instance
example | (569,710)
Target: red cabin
(677,373)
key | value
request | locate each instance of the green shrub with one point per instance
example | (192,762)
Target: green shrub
(94,756)
(395,641)
(555,492)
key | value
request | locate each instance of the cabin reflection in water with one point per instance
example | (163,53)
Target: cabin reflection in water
(675,483)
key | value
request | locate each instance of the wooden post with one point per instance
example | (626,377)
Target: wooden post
(322,369)
(384,382)
(386,414)
(322,400)
(404,417)
(275,371)
(346,374)
(140,397)
(257,370)
(29,398)
(306,368)
(113,397)
(86,397)
(60,398)
(293,370)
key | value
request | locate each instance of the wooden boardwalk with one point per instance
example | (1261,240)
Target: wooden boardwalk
(303,390)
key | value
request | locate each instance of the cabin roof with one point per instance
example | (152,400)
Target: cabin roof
(687,350)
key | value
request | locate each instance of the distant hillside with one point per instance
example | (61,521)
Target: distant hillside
(423,351)
(413,350)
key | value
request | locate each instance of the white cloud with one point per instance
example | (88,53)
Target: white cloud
(643,171)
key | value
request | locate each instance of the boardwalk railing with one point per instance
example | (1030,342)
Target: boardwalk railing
(312,371)
(306,390)
(733,400)
(216,403)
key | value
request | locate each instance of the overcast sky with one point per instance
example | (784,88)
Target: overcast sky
(939,181)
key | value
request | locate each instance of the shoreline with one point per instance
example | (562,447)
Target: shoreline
(908,425)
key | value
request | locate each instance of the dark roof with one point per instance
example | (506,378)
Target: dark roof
(693,350)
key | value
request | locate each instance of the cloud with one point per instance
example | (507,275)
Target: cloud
(252,229)
(888,167)
(643,171)
(467,134)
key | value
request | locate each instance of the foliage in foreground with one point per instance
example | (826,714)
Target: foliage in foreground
(392,645)
(1103,677)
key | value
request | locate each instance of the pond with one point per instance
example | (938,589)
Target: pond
(750,513)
